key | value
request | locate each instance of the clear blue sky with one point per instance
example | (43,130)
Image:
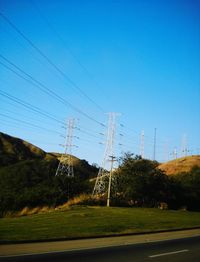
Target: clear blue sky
(139,58)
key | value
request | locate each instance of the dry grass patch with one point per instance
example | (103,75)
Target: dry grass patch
(180,165)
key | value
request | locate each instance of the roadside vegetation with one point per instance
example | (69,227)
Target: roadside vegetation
(36,205)
(88,221)
(29,186)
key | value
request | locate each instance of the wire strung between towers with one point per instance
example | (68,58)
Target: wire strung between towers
(30,124)
(31,80)
(64,75)
(43,112)
(29,106)
(66,46)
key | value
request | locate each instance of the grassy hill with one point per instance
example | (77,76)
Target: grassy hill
(15,150)
(180,165)
(27,176)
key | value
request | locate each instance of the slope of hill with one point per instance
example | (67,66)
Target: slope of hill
(27,176)
(13,149)
(180,165)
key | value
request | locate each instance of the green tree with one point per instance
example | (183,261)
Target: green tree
(140,182)
(185,190)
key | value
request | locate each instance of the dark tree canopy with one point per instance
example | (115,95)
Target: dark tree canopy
(140,182)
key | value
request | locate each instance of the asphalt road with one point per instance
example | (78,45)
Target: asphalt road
(181,250)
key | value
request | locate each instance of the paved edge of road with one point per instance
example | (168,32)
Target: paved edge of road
(3,242)
(29,249)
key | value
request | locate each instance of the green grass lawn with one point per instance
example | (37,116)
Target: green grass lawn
(94,221)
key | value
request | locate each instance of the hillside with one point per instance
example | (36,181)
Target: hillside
(75,160)
(27,176)
(180,165)
(14,150)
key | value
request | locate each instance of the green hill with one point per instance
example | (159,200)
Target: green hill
(13,150)
(27,176)
(180,165)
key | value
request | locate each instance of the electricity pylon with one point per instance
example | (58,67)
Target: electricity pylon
(184,148)
(65,166)
(175,153)
(142,144)
(100,187)
(154,145)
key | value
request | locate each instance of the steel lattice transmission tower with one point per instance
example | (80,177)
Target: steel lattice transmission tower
(184,149)
(65,166)
(100,186)
(175,153)
(142,144)
(154,144)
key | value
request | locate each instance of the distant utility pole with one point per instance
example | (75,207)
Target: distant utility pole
(100,187)
(142,144)
(65,166)
(154,145)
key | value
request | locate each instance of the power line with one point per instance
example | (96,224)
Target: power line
(26,117)
(17,126)
(87,133)
(44,88)
(66,46)
(43,113)
(28,106)
(30,52)
(48,60)
(150,138)
(27,123)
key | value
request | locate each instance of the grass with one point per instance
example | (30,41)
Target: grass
(79,221)
(183,164)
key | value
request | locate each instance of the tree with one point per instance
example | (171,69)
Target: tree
(185,190)
(140,182)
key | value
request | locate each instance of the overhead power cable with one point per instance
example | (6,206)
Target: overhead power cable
(44,88)
(64,75)
(27,123)
(87,133)
(42,112)
(65,45)
(29,106)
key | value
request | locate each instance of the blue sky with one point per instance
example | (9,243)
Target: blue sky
(137,58)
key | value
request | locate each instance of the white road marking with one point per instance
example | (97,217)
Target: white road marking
(170,253)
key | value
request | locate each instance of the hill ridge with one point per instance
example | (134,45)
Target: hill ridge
(180,165)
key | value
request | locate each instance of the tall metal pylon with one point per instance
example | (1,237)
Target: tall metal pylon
(154,145)
(184,149)
(175,154)
(142,144)
(65,166)
(100,187)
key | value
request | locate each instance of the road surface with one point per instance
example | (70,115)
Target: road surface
(182,250)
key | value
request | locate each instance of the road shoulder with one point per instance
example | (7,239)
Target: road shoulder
(82,244)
